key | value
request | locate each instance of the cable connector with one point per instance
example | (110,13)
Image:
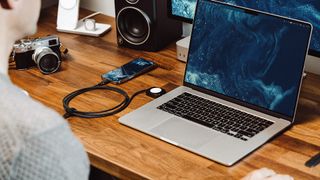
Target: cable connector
(103,82)
(69,113)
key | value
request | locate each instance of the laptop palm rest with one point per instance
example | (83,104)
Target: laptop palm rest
(181,132)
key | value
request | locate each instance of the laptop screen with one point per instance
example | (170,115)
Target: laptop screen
(250,57)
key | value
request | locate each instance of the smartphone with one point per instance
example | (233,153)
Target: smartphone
(128,71)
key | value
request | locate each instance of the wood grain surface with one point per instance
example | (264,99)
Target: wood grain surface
(129,154)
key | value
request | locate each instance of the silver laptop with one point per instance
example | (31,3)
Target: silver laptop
(241,84)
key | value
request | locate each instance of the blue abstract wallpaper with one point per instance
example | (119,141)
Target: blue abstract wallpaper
(255,59)
(128,70)
(307,10)
(184,8)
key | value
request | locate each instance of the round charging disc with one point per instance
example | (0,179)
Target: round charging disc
(155,92)
(68,4)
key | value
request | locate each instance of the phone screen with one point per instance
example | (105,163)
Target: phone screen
(129,70)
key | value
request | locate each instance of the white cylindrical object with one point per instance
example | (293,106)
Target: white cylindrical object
(68,14)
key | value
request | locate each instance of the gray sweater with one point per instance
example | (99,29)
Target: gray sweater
(36,143)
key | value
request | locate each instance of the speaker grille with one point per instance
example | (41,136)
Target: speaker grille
(134,25)
(145,25)
(132,1)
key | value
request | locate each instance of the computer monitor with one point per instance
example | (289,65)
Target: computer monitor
(300,9)
(182,9)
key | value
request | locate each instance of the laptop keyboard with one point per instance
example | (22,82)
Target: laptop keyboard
(216,116)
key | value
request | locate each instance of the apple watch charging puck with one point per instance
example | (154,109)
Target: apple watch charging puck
(155,92)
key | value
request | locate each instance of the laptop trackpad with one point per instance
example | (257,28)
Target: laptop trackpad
(184,133)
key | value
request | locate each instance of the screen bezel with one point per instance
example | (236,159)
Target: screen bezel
(180,18)
(239,102)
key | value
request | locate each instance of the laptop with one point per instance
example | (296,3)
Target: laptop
(241,85)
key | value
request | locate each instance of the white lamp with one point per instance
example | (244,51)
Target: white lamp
(67,21)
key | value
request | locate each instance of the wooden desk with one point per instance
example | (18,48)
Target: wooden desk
(127,153)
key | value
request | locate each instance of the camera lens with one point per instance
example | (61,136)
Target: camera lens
(47,61)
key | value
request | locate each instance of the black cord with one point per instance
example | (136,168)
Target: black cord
(70,111)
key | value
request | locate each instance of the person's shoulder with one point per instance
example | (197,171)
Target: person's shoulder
(23,114)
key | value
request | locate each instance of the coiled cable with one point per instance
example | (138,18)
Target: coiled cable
(70,111)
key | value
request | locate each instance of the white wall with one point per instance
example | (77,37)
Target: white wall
(104,6)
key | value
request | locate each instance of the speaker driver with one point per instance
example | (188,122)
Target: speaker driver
(133,25)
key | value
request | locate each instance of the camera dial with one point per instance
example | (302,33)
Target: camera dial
(47,61)
(23,46)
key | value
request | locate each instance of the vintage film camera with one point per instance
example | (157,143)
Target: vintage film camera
(42,52)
